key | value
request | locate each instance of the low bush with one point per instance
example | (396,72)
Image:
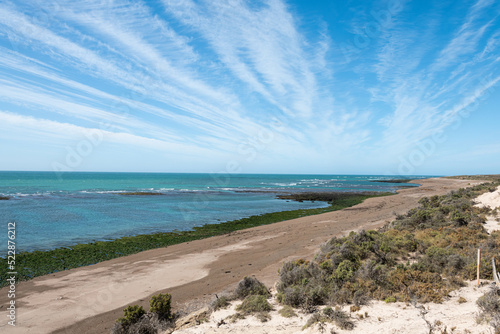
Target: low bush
(287,312)
(137,321)
(340,318)
(161,305)
(132,314)
(250,286)
(253,304)
(489,304)
(220,303)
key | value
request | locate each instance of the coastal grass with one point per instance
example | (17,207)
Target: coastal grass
(39,263)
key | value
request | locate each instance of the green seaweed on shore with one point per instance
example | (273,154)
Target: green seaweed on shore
(38,263)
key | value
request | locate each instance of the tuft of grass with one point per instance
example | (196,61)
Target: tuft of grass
(287,312)
(263,316)
(354,308)
(316,318)
(220,303)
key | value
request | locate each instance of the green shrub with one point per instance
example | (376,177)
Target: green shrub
(132,314)
(221,302)
(293,296)
(250,286)
(253,304)
(287,312)
(161,305)
(345,271)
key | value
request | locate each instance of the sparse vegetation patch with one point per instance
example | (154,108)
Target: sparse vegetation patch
(137,320)
(421,256)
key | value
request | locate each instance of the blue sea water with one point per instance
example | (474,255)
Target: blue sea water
(53,210)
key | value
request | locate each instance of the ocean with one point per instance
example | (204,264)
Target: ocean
(52,210)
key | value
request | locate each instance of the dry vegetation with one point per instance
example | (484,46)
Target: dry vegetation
(420,257)
(489,304)
(137,321)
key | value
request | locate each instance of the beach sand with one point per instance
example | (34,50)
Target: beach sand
(90,299)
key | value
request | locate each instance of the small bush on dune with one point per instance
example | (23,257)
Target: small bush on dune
(490,301)
(253,304)
(287,312)
(489,304)
(132,314)
(137,321)
(220,303)
(250,286)
(161,305)
(340,318)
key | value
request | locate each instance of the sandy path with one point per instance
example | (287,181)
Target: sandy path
(90,299)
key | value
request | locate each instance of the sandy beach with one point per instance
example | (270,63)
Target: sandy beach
(90,299)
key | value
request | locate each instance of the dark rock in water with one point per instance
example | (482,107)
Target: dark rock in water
(140,193)
(323,196)
(393,181)
(4,198)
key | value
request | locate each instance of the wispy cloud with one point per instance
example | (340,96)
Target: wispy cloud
(212,77)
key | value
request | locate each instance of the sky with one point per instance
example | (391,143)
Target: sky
(240,86)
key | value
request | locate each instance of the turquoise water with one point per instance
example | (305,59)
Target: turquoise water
(53,211)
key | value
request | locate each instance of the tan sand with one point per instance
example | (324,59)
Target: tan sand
(90,299)
(492,200)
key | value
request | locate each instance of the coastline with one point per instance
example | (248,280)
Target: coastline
(74,298)
(40,263)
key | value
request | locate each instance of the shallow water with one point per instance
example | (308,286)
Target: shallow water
(53,211)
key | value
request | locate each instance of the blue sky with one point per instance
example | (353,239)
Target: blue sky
(351,87)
